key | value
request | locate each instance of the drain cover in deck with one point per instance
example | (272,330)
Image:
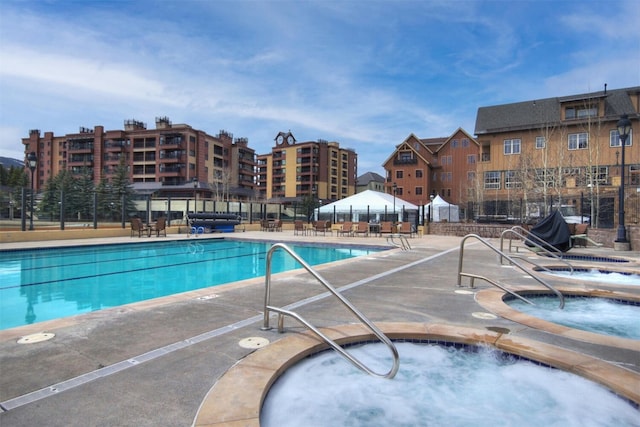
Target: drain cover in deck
(482,315)
(34,338)
(253,342)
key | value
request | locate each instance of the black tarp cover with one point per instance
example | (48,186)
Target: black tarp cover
(554,230)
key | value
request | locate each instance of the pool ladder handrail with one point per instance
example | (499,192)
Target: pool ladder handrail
(514,230)
(282,312)
(404,243)
(511,260)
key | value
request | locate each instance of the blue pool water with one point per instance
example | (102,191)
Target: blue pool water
(45,284)
(598,315)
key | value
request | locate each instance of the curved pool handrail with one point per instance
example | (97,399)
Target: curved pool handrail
(282,312)
(404,243)
(513,230)
(510,259)
(535,240)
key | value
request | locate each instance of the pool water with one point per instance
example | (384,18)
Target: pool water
(45,284)
(597,275)
(438,385)
(598,315)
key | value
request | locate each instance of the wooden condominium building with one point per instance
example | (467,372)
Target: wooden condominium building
(295,170)
(421,168)
(559,151)
(176,156)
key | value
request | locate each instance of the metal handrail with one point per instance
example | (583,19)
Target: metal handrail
(513,230)
(282,312)
(510,259)
(496,284)
(404,243)
(527,235)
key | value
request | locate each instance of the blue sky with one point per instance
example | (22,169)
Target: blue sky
(363,73)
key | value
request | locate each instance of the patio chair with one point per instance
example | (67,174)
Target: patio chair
(298,227)
(159,227)
(277,225)
(406,228)
(264,225)
(363,229)
(346,230)
(386,227)
(323,226)
(137,227)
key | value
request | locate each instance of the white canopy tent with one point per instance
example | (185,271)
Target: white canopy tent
(441,210)
(372,203)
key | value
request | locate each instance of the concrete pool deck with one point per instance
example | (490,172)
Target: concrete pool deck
(154,362)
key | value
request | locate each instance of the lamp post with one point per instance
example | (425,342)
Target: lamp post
(195,194)
(624,129)
(395,188)
(431,197)
(32,159)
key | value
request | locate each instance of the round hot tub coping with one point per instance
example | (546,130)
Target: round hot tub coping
(237,397)
(493,300)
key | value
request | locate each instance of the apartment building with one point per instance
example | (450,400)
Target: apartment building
(558,151)
(420,168)
(172,155)
(293,170)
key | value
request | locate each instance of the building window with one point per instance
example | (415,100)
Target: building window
(454,143)
(544,177)
(471,175)
(418,173)
(578,141)
(399,191)
(404,156)
(614,139)
(398,174)
(465,142)
(512,179)
(418,191)
(511,146)
(540,142)
(492,180)
(580,112)
(471,159)
(486,153)
(445,176)
(634,174)
(599,174)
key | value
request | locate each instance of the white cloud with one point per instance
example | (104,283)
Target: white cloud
(365,74)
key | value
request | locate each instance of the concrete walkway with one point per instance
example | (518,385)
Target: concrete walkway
(152,363)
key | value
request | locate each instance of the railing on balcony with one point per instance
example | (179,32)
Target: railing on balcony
(405,161)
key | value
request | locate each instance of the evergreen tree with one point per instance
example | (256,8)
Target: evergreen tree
(122,189)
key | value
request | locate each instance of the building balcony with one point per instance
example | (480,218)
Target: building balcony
(407,161)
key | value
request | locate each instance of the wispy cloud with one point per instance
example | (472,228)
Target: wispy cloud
(363,73)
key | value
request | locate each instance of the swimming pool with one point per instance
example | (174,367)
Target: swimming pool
(46,284)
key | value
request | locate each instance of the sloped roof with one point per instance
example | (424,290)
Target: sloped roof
(540,112)
(368,177)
